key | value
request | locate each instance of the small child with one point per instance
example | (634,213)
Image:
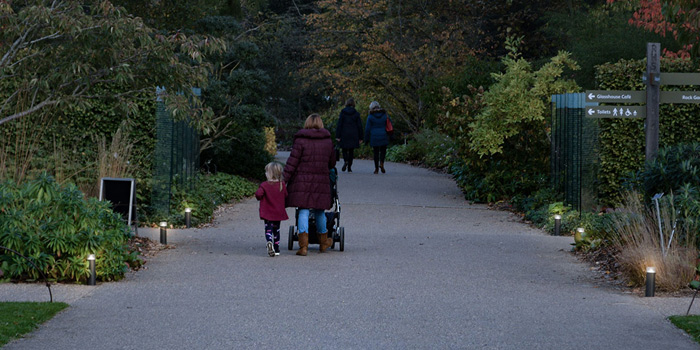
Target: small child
(272,194)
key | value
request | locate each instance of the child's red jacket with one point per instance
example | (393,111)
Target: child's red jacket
(272,201)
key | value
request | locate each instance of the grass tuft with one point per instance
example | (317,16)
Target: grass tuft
(639,244)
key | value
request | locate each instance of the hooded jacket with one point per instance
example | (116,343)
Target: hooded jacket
(349,129)
(375,129)
(308,169)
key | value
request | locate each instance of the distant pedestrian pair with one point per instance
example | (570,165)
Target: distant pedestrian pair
(350,136)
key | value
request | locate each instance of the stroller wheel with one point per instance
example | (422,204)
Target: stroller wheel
(341,231)
(290,244)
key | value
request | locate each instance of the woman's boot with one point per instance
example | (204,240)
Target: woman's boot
(350,166)
(381,166)
(303,244)
(324,242)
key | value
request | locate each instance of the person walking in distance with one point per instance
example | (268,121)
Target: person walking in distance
(375,132)
(349,133)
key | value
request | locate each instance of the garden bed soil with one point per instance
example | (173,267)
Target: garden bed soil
(147,249)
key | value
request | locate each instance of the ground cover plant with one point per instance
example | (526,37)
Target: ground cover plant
(20,318)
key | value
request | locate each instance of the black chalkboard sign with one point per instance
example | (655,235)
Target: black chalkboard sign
(121,192)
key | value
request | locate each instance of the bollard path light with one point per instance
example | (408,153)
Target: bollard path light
(557,225)
(91,261)
(188,217)
(163,233)
(651,282)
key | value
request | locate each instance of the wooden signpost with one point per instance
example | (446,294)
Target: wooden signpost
(652,97)
(653,77)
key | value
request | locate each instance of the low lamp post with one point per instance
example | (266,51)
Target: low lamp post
(163,232)
(188,217)
(557,225)
(651,282)
(91,261)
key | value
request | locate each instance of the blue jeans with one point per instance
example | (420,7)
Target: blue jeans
(303,222)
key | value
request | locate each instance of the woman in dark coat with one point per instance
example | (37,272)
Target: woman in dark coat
(375,132)
(307,174)
(348,133)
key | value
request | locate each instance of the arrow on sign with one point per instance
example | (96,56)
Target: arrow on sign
(615,96)
(591,111)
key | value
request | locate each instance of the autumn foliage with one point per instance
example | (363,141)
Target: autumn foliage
(678,18)
(378,50)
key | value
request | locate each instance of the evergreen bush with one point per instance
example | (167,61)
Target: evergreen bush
(57,228)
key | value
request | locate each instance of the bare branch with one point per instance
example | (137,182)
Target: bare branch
(45,103)
(248,31)
(297,7)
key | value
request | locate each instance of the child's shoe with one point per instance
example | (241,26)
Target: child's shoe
(270,249)
(277,249)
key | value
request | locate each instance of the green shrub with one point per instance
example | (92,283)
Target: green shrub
(209,192)
(57,228)
(541,206)
(501,135)
(533,203)
(497,178)
(673,167)
(427,147)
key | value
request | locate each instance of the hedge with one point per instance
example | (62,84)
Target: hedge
(622,141)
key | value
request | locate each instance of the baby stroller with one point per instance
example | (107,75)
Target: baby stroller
(335,231)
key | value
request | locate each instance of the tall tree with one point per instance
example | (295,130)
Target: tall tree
(53,54)
(388,50)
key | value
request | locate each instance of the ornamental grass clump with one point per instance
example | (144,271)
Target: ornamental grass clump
(641,244)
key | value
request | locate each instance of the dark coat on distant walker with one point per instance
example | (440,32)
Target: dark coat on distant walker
(349,129)
(307,171)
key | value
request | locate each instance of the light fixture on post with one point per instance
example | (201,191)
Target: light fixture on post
(188,217)
(557,225)
(651,282)
(579,236)
(91,261)
(163,233)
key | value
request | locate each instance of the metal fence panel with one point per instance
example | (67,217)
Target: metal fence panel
(574,151)
(176,158)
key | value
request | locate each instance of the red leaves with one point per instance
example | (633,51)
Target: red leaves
(679,18)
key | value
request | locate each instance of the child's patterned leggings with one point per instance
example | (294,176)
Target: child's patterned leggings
(272,232)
